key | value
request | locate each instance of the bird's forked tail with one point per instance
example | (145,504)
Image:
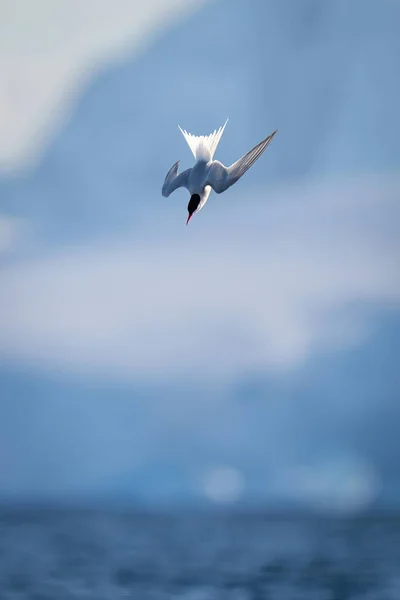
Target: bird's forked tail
(203,147)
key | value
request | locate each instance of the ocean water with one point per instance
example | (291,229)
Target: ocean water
(100,555)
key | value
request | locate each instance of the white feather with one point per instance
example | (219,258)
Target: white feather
(203,147)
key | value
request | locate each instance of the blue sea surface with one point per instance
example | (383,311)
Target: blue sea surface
(113,555)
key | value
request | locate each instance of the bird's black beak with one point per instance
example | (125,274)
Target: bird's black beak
(189,217)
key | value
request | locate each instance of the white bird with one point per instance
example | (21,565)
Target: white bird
(207,173)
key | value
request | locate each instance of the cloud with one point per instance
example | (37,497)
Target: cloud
(10,232)
(340,484)
(223,484)
(49,50)
(258,286)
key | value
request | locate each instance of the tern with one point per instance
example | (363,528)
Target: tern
(207,173)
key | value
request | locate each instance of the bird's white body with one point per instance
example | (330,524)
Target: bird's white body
(197,182)
(207,173)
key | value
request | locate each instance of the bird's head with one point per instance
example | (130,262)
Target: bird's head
(193,206)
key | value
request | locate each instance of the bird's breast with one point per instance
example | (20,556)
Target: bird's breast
(198,177)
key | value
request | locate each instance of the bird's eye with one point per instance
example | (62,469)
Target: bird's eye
(194,203)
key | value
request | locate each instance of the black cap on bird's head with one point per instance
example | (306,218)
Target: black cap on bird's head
(193,205)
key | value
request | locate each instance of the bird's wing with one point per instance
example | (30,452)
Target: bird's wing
(220,178)
(173,181)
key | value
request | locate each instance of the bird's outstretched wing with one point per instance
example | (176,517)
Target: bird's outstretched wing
(173,181)
(220,178)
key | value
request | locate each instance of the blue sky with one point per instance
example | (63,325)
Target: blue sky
(131,346)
